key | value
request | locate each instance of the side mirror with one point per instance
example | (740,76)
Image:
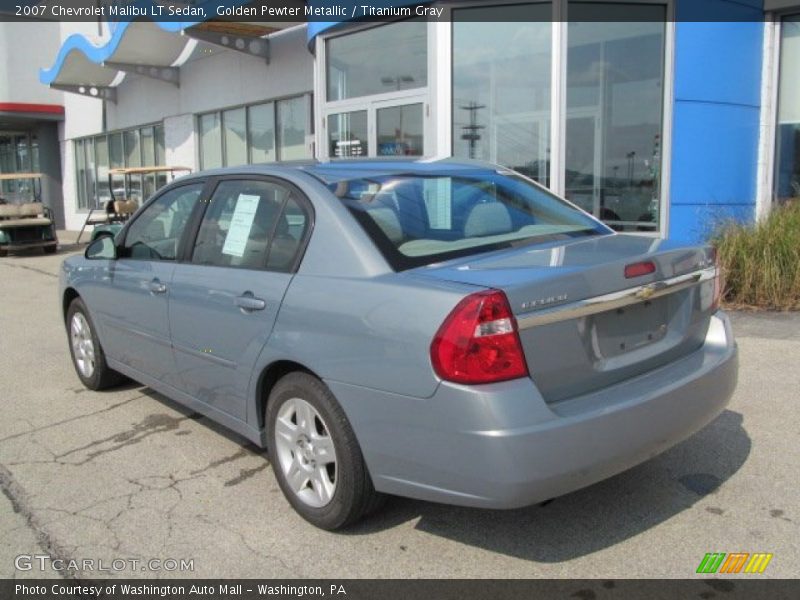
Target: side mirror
(102,248)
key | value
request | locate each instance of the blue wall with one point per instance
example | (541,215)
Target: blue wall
(715,117)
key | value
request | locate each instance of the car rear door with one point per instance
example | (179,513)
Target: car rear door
(131,302)
(225,296)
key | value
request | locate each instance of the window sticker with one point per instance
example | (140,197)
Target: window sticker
(438,202)
(241,223)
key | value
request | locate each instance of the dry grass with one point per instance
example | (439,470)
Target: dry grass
(761,262)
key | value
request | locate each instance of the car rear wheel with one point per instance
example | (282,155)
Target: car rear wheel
(315,455)
(87,354)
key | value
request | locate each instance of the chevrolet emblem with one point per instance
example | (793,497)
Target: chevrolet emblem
(646,293)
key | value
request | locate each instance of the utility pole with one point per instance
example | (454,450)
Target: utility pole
(471,134)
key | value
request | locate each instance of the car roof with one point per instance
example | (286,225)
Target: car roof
(347,169)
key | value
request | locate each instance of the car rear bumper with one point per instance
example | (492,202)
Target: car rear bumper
(502,446)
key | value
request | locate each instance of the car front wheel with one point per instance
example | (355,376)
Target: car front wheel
(315,455)
(87,354)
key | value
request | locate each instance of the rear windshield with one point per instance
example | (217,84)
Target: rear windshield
(417,219)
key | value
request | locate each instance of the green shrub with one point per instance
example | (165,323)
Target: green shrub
(761,262)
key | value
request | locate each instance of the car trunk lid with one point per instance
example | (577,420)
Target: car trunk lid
(583,324)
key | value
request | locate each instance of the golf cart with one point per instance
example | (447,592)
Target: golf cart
(125,187)
(24,221)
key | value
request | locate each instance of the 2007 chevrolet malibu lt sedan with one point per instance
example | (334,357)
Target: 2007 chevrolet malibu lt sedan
(449,331)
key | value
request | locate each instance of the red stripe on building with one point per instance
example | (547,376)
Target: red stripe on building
(24,107)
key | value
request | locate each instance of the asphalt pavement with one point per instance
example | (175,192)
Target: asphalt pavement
(131,476)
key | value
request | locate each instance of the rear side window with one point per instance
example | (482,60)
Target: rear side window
(417,220)
(156,232)
(251,225)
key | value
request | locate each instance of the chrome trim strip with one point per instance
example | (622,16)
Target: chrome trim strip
(598,304)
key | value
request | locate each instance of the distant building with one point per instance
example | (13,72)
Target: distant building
(30,114)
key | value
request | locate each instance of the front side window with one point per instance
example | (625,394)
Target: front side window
(417,220)
(251,225)
(156,232)
(378,60)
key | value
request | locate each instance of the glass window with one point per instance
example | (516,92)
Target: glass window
(101,164)
(378,60)
(615,88)
(133,158)
(347,134)
(293,117)
(501,86)
(133,153)
(80,174)
(289,234)
(417,220)
(116,157)
(161,157)
(247,222)
(261,123)
(234,124)
(787,155)
(155,234)
(23,155)
(148,143)
(6,162)
(210,141)
(35,166)
(91,181)
(160,144)
(400,130)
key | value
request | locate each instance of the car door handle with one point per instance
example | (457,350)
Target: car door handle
(156,287)
(248,302)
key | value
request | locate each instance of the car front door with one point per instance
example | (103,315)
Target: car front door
(132,302)
(224,299)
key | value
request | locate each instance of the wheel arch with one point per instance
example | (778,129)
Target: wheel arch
(267,379)
(69,295)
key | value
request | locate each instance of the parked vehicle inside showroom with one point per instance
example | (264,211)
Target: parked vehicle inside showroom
(450,331)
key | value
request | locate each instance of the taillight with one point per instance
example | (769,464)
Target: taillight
(478,342)
(719,281)
(638,269)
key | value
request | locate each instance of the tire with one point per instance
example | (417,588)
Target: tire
(50,249)
(3,252)
(328,490)
(87,353)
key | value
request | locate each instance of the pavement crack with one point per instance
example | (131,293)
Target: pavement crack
(21,505)
(71,419)
(5,263)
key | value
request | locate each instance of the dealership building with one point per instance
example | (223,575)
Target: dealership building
(654,115)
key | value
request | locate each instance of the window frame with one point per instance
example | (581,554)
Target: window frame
(181,249)
(90,197)
(196,221)
(425,95)
(220,112)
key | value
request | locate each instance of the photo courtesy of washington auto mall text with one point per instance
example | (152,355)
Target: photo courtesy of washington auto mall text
(399,299)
